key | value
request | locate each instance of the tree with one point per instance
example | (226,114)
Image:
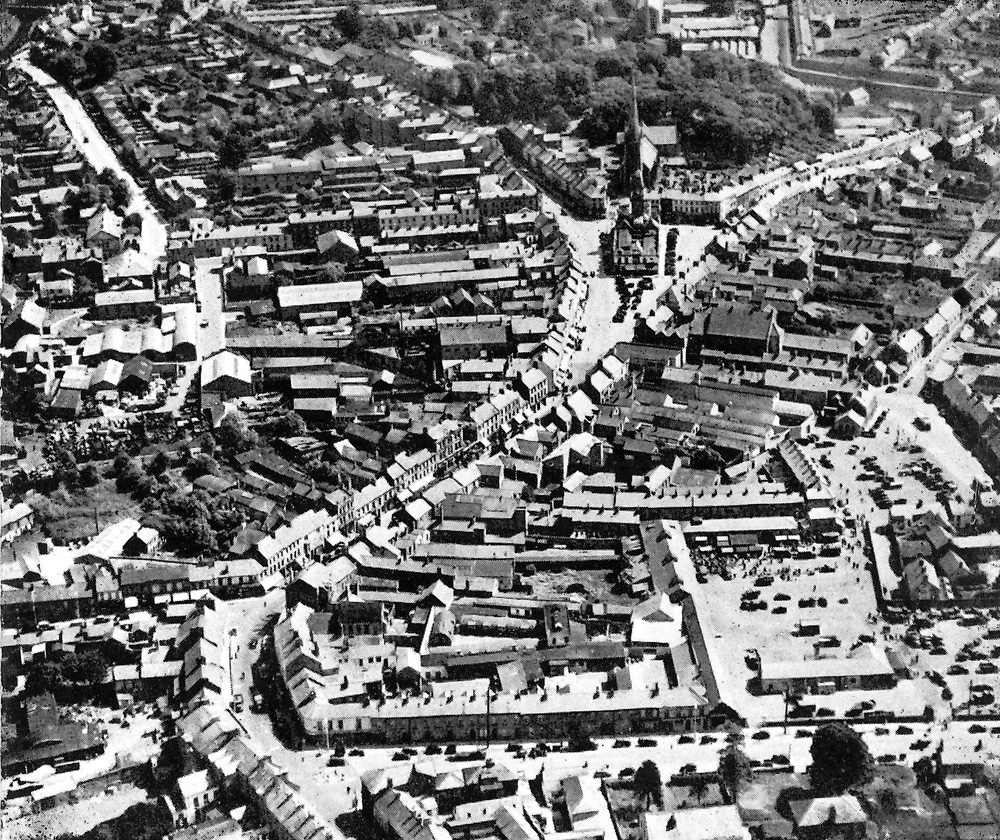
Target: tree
(43,676)
(288,424)
(488,12)
(234,434)
(200,465)
(350,22)
(172,7)
(101,61)
(160,463)
(88,668)
(65,67)
(478,49)
(225,184)
(207,443)
(18,397)
(116,189)
(333,272)
(126,472)
(558,119)
(840,759)
(89,476)
(63,669)
(378,33)
(735,770)
(647,783)
(234,148)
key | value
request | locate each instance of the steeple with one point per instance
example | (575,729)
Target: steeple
(635,127)
(637,183)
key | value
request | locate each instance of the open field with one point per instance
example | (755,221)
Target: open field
(80,514)
(584,583)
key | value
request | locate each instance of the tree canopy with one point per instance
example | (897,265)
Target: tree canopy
(647,783)
(840,759)
(735,770)
(234,434)
(727,109)
(65,669)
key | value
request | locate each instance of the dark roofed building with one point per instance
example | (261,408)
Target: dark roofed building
(357,618)
(67,403)
(473,341)
(137,373)
(742,329)
(43,737)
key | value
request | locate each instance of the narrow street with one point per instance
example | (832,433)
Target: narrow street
(101,156)
(212,328)
(332,791)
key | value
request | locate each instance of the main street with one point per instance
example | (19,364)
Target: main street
(101,156)
(595,328)
(334,791)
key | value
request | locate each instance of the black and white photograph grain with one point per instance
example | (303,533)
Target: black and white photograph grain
(500,420)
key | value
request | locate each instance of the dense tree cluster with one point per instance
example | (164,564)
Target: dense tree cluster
(64,669)
(194,524)
(74,66)
(283,425)
(234,434)
(726,108)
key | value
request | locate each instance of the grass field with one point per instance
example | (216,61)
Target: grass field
(70,515)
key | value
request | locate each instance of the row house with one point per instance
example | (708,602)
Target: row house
(407,471)
(373,500)
(490,418)
(210,241)
(294,546)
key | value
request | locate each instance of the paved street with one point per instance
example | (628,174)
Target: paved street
(212,329)
(596,329)
(774,37)
(335,791)
(101,156)
(692,240)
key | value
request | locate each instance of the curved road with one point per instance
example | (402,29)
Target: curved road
(101,156)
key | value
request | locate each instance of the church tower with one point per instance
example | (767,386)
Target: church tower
(633,158)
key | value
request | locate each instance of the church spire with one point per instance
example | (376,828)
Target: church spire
(637,183)
(635,126)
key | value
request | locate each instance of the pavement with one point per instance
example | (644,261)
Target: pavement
(692,240)
(595,326)
(335,791)
(101,156)
(775,46)
(332,791)
(212,329)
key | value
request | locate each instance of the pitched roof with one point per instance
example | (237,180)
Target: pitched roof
(823,810)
